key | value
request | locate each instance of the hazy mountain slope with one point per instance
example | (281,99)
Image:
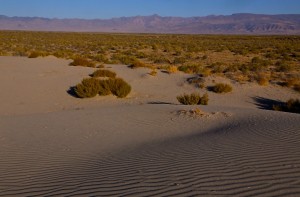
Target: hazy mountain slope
(232,24)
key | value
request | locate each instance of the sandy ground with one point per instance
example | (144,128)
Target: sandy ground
(52,144)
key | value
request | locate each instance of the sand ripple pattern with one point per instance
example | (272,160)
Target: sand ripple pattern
(247,158)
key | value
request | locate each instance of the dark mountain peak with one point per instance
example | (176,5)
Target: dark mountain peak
(239,23)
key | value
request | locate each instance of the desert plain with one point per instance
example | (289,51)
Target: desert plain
(148,144)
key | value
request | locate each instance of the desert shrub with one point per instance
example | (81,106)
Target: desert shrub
(258,64)
(193,99)
(88,88)
(189,99)
(222,88)
(179,60)
(292,105)
(100,66)
(137,64)
(104,88)
(171,69)
(153,72)
(118,87)
(124,59)
(100,58)
(79,61)
(218,67)
(190,68)
(282,66)
(263,79)
(104,73)
(35,54)
(204,100)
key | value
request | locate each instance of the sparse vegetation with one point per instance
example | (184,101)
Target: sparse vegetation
(239,58)
(193,99)
(222,88)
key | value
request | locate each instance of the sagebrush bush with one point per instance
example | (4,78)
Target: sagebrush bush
(204,100)
(35,54)
(222,88)
(104,89)
(118,87)
(171,69)
(104,73)
(79,61)
(153,72)
(88,88)
(263,79)
(137,64)
(193,99)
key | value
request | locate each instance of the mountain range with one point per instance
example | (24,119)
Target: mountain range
(220,24)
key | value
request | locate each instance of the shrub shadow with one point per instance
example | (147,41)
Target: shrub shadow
(160,103)
(71,92)
(266,104)
(210,88)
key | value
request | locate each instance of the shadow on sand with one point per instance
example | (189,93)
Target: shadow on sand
(71,92)
(160,103)
(266,104)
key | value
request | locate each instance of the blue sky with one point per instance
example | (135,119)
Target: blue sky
(116,8)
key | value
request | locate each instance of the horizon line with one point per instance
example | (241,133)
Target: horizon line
(141,16)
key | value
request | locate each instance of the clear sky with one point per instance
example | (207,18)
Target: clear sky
(116,8)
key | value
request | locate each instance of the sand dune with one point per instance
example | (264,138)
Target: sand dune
(57,145)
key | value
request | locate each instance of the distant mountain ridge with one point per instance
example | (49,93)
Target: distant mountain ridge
(230,24)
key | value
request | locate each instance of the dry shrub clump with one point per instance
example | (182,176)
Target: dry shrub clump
(263,79)
(222,88)
(172,69)
(118,87)
(79,61)
(292,105)
(88,88)
(193,99)
(104,73)
(137,64)
(153,72)
(35,54)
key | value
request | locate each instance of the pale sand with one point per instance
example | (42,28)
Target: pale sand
(52,144)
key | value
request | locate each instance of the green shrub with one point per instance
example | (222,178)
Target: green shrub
(193,99)
(104,73)
(79,61)
(222,88)
(118,87)
(88,88)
